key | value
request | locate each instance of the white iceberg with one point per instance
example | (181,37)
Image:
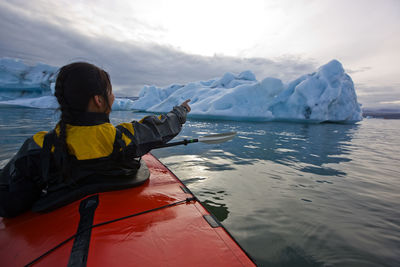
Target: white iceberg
(18,80)
(50,102)
(326,95)
(33,86)
(122,104)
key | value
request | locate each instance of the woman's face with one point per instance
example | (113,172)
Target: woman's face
(111,99)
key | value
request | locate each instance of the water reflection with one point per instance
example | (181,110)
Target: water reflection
(17,124)
(296,256)
(308,148)
(219,210)
(213,200)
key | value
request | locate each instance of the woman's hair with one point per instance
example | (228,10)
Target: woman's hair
(76,84)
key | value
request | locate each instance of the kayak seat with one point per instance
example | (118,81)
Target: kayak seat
(91,185)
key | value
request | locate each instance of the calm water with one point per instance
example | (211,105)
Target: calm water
(291,194)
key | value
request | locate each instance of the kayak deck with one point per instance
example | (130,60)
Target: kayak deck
(167,227)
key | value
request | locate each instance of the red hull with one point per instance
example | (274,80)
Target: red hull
(174,236)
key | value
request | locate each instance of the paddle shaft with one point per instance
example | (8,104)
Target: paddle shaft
(183,142)
(208,139)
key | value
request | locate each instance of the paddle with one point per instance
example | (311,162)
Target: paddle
(207,139)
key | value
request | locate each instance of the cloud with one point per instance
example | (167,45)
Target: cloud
(378,96)
(396,102)
(130,64)
(358,70)
(33,36)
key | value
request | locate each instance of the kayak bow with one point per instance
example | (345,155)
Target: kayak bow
(159,223)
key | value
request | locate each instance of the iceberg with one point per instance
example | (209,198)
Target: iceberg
(325,95)
(18,80)
(328,95)
(50,102)
(47,102)
(33,86)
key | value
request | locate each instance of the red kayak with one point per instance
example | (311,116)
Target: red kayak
(159,223)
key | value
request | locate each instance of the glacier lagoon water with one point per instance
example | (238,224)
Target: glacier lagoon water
(292,194)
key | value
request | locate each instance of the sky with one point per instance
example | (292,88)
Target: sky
(156,42)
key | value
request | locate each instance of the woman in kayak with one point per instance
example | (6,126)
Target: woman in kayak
(83,144)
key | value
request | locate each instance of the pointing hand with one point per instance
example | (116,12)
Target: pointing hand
(186,105)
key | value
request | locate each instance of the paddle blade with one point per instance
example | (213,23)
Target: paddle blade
(217,138)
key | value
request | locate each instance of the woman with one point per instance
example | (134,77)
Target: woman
(84,143)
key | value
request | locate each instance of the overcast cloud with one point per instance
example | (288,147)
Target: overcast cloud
(40,31)
(130,65)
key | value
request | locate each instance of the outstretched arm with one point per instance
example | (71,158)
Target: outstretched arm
(153,131)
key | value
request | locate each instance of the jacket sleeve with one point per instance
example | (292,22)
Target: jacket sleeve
(18,181)
(152,131)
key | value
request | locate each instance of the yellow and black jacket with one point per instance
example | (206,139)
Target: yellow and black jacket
(96,151)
